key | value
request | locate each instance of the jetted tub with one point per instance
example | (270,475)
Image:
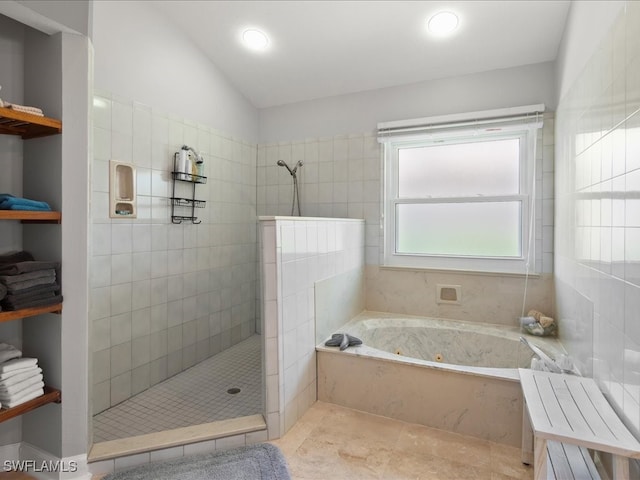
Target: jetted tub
(447,374)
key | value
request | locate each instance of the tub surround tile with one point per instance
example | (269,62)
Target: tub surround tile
(485,298)
(393,392)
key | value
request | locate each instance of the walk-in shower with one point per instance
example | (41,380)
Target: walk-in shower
(296,191)
(174,326)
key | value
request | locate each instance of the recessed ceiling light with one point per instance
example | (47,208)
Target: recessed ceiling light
(443,23)
(255,39)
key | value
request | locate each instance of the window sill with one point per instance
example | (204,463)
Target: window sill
(461,271)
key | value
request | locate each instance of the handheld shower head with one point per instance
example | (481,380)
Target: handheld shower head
(282,163)
(295,169)
(296,191)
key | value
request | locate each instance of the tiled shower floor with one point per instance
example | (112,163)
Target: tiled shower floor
(197,395)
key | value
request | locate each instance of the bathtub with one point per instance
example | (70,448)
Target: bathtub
(452,375)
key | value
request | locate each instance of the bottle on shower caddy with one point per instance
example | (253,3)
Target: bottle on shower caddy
(199,166)
(184,166)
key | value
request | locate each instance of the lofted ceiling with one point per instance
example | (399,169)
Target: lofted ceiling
(325,48)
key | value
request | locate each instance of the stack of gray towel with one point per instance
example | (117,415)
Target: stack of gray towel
(20,377)
(26,283)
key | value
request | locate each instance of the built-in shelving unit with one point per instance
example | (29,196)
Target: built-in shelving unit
(31,217)
(29,126)
(190,203)
(29,312)
(51,395)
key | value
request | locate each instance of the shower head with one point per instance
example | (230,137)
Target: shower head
(282,163)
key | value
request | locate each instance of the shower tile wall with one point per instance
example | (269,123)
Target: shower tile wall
(163,296)
(341,177)
(598,216)
(296,254)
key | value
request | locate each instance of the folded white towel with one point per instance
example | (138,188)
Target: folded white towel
(13,394)
(4,396)
(17,401)
(20,372)
(24,108)
(8,352)
(17,364)
(19,391)
(18,387)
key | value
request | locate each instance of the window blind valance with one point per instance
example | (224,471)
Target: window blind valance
(504,119)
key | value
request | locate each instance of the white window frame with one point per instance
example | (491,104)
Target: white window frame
(526,132)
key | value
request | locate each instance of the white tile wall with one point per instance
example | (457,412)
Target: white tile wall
(341,176)
(149,275)
(295,253)
(597,210)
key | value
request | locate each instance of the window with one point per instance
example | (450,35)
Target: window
(460,197)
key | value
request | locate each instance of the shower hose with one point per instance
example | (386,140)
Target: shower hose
(296,196)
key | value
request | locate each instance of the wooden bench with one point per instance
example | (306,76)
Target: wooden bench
(563,416)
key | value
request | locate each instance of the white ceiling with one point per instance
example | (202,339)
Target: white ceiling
(325,48)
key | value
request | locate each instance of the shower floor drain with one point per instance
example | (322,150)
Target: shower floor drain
(233,391)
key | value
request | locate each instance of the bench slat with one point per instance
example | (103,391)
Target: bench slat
(557,463)
(566,461)
(550,403)
(612,420)
(537,413)
(583,400)
(580,461)
(561,387)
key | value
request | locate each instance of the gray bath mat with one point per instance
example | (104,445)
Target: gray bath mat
(256,462)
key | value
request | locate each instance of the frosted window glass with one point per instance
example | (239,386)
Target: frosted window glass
(485,229)
(464,169)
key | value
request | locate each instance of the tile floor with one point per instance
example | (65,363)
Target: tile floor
(330,442)
(197,395)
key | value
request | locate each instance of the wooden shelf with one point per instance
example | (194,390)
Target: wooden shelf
(31,216)
(29,312)
(27,125)
(51,395)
